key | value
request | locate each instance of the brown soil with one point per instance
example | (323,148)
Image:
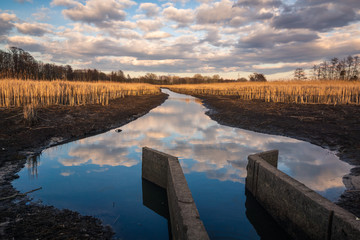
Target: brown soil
(334,127)
(21,219)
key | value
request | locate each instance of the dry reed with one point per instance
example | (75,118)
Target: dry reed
(30,113)
(22,93)
(303,92)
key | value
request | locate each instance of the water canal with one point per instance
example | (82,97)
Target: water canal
(101,175)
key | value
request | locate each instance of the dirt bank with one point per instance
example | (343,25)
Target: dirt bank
(333,127)
(20,219)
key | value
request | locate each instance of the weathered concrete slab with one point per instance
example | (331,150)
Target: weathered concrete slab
(165,171)
(270,157)
(303,213)
(155,166)
(344,225)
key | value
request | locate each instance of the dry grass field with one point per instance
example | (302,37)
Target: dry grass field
(24,93)
(303,92)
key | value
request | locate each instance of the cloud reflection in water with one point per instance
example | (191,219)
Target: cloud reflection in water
(204,146)
(101,175)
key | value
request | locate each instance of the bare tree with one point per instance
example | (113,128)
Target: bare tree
(349,63)
(299,74)
(334,62)
(345,69)
(257,77)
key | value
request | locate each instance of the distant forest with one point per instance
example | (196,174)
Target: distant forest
(338,69)
(19,64)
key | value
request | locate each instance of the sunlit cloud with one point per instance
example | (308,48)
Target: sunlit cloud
(34,29)
(157,134)
(42,14)
(186,37)
(98,155)
(66,173)
(150,9)
(157,35)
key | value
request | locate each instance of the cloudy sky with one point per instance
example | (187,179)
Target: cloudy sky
(183,37)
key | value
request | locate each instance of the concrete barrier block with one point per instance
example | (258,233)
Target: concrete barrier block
(303,213)
(252,170)
(165,171)
(177,181)
(270,157)
(183,211)
(155,166)
(344,225)
(195,229)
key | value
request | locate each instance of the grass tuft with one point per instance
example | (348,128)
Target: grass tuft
(30,114)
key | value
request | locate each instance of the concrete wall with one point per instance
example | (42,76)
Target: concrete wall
(303,213)
(155,166)
(165,171)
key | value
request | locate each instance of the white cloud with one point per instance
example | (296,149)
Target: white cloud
(126,33)
(180,1)
(42,14)
(6,22)
(225,13)
(150,9)
(99,155)
(281,65)
(132,61)
(66,3)
(215,13)
(168,4)
(199,36)
(182,16)
(95,11)
(160,135)
(35,29)
(157,35)
(25,42)
(149,25)
(67,173)
(122,24)
(79,27)
(7,17)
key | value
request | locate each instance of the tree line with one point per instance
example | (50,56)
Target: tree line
(19,64)
(333,69)
(196,79)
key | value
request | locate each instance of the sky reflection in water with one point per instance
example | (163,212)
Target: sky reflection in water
(101,175)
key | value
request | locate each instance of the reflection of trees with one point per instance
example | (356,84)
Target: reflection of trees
(32,163)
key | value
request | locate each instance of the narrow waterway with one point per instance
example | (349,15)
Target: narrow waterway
(101,175)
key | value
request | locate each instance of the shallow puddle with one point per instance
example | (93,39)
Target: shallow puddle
(101,175)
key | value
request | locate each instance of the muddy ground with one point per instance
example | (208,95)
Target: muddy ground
(20,139)
(333,127)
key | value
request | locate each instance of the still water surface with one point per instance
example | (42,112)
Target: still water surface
(101,175)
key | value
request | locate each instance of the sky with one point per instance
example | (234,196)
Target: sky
(180,37)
